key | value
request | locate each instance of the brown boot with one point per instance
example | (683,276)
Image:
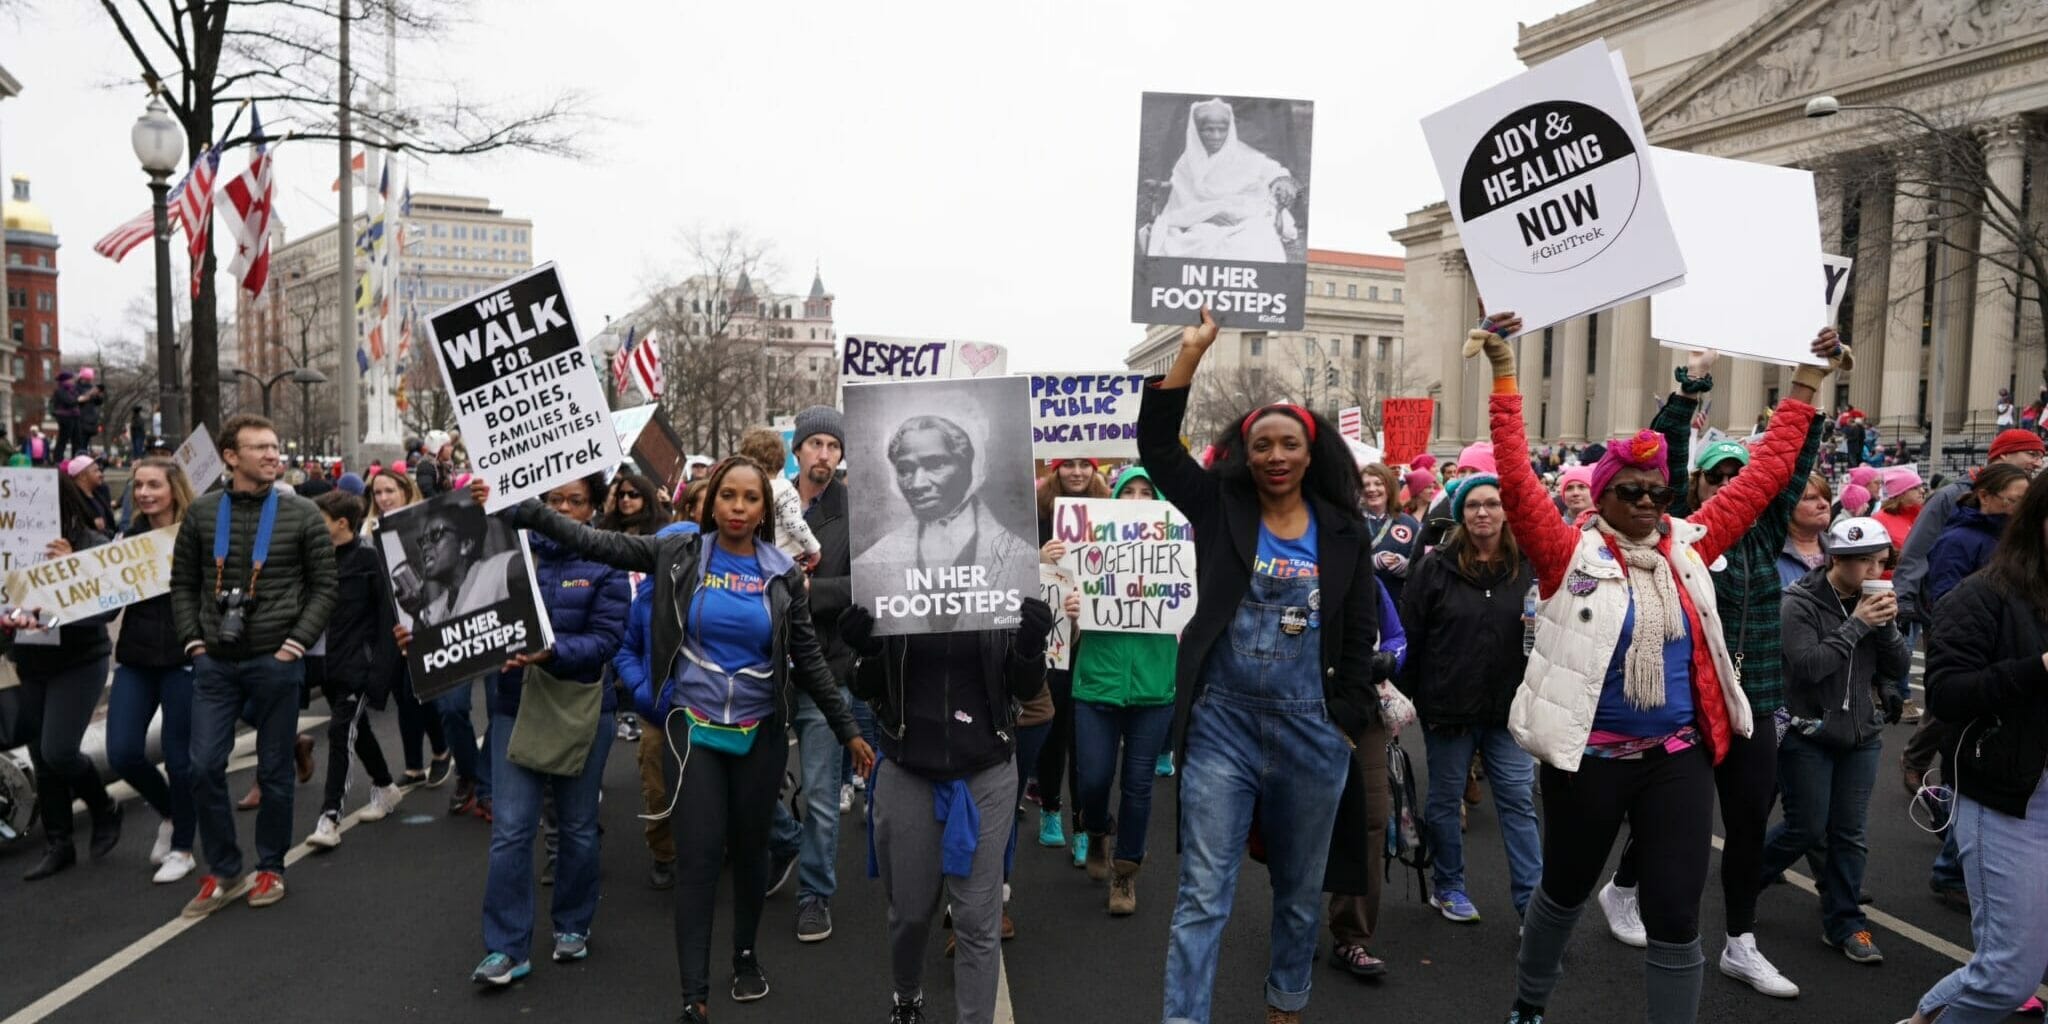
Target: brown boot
(1098,856)
(1123,889)
(1274,1016)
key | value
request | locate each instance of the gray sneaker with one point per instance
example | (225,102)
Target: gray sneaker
(1860,948)
(813,920)
(570,946)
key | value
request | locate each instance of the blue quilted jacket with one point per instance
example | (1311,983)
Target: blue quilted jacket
(586,602)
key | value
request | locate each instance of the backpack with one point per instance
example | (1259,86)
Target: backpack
(1407,840)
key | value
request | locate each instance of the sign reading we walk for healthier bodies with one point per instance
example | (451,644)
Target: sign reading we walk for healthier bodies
(1549,181)
(1133,561)
(531,407)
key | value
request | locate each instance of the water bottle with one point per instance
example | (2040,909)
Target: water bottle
(1529,601)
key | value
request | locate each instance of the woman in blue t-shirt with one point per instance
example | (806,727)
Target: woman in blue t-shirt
(1275,669)
(731,633)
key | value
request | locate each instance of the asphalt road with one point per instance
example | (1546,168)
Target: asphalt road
(386,929)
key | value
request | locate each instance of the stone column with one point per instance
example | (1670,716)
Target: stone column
(1870,282)
(1741,392)
(1828,192)
(1897,414)
(1448,291)
(1629,406)
(1995,316)
(1529,366)
(2028,352)
(1958,289)
(1568,382)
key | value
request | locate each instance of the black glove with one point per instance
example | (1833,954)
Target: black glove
(1894,708)
(857,628)
(1033,626)
(1384,665)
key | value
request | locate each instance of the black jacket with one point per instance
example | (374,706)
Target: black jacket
(1832,659)
(149,633)
(1225,516)
(77,642)
(294,596)
(362,656)
(672,562)
(1984,670)
(1465,658)
(832,583)
(894,679)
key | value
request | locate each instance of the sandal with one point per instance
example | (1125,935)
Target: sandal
(1354,958)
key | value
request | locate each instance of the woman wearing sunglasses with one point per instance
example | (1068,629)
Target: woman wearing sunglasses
(1622,703)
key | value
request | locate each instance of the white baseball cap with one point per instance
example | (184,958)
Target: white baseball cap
(1857,535)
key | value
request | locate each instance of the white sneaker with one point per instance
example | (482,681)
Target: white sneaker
(860,782)
(1624,917)
(327,834)
(177,864)
(383,800)
(846,798)
(1741,960)
(162,848)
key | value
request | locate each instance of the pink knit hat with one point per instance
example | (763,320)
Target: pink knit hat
(1477,456)
(1419,482)
(1863,476)
(1644,451)
(1423,461)
(1575,475)
(1855,499)
(1898,480)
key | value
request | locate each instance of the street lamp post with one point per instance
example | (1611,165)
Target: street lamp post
(302,375)
(159,142)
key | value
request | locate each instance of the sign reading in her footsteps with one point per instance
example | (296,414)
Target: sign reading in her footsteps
(1555,202)
(1835,274)
(1092,415)
(1222,217)
(943,514)
(1134,561)
(463,583)
(96,580)
(531,408)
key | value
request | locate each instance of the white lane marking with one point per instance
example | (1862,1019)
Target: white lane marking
(1004,1015)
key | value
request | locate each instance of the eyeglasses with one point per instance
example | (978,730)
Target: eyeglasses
(1720,478)
(568,501)
(258,448)
(1493,505)
(436,534)
(1659,494)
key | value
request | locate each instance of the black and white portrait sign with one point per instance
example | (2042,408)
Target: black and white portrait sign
(943,517)
(531,407)
(1222,217)
(1550,183)
(463,584)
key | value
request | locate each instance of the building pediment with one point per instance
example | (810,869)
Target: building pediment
(1805,47)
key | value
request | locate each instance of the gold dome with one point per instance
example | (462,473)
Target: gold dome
(19,214)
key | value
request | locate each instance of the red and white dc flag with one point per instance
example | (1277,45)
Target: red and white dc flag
(250,194)
(1351,423)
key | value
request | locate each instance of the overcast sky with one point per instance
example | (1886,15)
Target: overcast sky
(955,170)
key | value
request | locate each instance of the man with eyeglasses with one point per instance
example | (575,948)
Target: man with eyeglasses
(252,584)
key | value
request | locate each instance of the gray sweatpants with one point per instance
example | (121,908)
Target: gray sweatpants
(907,844)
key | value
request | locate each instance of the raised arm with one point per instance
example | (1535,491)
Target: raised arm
(1735,508)
(618,550)
(1545,538)
(1776,523)
(1161,410)
(1674,421)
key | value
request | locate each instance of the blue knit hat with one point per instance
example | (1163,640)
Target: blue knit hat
(1464,486)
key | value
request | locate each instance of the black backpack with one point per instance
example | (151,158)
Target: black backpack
(1407,839)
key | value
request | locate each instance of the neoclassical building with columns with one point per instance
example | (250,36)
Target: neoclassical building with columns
(1731,78)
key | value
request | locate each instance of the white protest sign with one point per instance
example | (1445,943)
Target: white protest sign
(1091,415)
(96,580)
(1751,234)
(1055,583)
(200,458)
(628,423)
(1133,560)
(530,405)
(28,516)
(1835,273)
(870,357)
(1555,200)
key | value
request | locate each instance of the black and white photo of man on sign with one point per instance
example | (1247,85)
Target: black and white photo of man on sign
(463,585)
(942,510)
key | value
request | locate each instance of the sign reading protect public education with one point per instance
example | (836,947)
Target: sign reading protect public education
(1549,182)
(1086,415)
(870,357)
(1134,562)
(1222,210)
(530,406)
(97,580)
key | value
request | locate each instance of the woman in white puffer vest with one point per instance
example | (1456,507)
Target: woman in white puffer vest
(1626,711)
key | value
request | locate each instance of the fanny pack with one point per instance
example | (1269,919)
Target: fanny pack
(732,740)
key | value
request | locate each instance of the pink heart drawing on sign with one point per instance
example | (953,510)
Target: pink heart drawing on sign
(1091,561)
(979,357)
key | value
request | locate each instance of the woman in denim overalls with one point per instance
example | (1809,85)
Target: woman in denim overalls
(1274,672)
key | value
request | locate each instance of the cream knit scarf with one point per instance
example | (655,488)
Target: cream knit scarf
(1660,618)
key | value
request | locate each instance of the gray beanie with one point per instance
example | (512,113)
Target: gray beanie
(820,419)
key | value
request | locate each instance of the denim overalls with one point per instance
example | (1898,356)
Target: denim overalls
(1260,735)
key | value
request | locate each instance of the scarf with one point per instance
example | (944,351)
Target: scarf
(1660,618)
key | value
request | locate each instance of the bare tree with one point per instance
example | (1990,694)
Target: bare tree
(210,56)
(719,378)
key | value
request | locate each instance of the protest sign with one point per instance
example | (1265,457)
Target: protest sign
(1557,205)
(1835,273)
(463,583)
(1091,415)
(1351,422)
(96,580)
(629,423)
(1133,560)
(1222,211)
(1055,583)
(28,516)
(1405,424)
(869,357)
(200,458)
(1748,230)
(943,515)
(531,408)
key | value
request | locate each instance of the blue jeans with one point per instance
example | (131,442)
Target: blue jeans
(820,752)
(453,708)
(1511,776)
(864,718)
(138,692)
(220,690)
(1099,729)
(1904,684)
(1827,797)
(1291,768)
(1948,864)
(515,817)
(2005,861)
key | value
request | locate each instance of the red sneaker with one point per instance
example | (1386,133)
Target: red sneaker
(269,888)
(214,893)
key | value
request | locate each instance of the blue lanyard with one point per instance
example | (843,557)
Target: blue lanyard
(264,525)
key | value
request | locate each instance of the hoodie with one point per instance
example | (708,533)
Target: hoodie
(1126,670)
(1963,547)
(637,648)
(1831,659)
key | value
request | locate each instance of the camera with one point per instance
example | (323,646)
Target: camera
(234,610)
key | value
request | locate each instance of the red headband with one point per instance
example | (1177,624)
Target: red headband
(1308,422)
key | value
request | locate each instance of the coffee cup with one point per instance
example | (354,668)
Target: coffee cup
(1872,588)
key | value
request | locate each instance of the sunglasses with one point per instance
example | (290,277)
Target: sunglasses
(1719,477)
(1659,494)
(623,493)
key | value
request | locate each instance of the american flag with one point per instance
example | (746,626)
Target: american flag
(138,229)
(194,208)
(638,363)
(250,194)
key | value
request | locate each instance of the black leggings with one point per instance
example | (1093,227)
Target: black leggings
(1668,803)
(722,802)
(1055,759)
(56,707)
(348,724)
(1748,783)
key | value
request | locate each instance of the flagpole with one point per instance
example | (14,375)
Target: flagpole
(345,278)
